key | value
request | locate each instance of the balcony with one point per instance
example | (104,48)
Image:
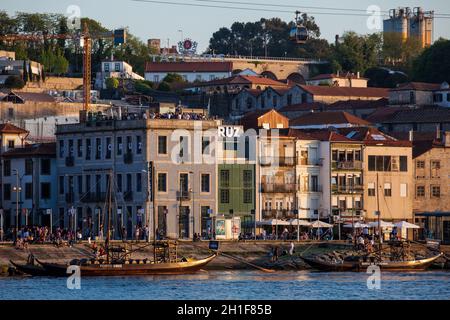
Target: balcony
(94,197)
(277,188)
(128,196)
(128,158)
(277,161)
(347,189)
(278,214)
(183,195)
(347,165)
(311,189)
(310,162)
(70,161)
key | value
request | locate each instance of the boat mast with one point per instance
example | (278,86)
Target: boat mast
(379,216)
(108,235)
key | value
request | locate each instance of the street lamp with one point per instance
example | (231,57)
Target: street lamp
(193,201)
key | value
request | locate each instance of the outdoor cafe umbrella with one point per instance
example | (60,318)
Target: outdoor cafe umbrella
(320,224)
(407,225)
(273,222)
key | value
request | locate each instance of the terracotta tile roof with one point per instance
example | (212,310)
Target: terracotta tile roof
(31,96)
(373,137)
(417,136)
(359,104)
(243,80)
(253,92)
(418,86)
(422,115)
(384,113)
(250,119)
(319,134)
(10,128)
(207,66)
(346,91)
(328,118)
(307,106)
(422,146)
(34,150)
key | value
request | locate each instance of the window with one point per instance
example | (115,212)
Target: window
(224,196)
(88,183)
(205,182)
(138,144)
(80,148)
(98,148)
(71,151)
(183,146)
(88,149)
(138,182)
(108,148)
(403,163)
(45,190)
(162,145)
(211,77)
(248,178)
(225,178)
(61,184)
(119,146)
(129,184)
(7,168)
(28,190)
(11,112)
(387,190)
(46,167)
(198,77)
(420,191)
(437,97)
(119,182)
(80,185)
(435,166)
(403,190)
(106,66)
(61,148)
(289,99)
(248,196)
(435,191)
(371,189)
(7,191)
(156,78)
(117,67)
(205,145)
(129,144)
(412,97)
(162,182)
(28,167)
(420,164)
(10,144)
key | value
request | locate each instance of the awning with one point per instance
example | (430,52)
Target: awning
(320,224)
(356,225)
(299,222)
(273,222)
(405,224)
(383,224)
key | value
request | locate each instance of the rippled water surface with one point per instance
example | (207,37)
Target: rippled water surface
(235,285)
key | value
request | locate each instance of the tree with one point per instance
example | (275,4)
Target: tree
(357,53)
(14,82)
(25,72)
(54,62)
(433,65)
(254,38)
(397,51)
(384,77)
(112,83)
(164,86)
(143,86)
(173,78)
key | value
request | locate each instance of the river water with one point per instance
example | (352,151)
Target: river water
(223,285)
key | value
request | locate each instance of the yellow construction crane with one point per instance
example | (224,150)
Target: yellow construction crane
(85,39)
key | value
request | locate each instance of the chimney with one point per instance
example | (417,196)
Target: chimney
(411,135)
(447,139)
(358,75)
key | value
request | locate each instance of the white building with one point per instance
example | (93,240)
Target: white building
(339,80)
(115,69)
(190,71)
(442,96)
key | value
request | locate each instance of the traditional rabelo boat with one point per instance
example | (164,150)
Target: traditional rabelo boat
(394,256)
(117,260)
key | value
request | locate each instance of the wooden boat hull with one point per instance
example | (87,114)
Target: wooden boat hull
(414,265)
(33,270)
(60,270)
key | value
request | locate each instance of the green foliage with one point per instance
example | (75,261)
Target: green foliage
(399,52)
(433,65)
(385,78)
(14,82)
(112,83)
(164,86)
(54,62)
(143,86)
(173,78)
